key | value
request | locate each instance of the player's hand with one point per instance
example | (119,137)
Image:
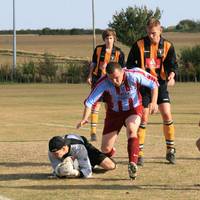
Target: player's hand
(81,123)
(89,79)
(153,108)
(103,67)
(171,81)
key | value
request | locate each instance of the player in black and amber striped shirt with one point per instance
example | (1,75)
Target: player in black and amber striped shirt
(102,55)
(157,56)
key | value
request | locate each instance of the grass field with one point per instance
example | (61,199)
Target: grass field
(76,46)
(31,114)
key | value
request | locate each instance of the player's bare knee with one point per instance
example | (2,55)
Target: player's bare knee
(132,133)
(113,165)
(166,117)
(108,164)
(106,149)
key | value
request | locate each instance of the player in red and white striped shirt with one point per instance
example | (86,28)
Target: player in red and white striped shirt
(120,90)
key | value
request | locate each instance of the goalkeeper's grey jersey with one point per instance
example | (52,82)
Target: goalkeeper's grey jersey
(77,151)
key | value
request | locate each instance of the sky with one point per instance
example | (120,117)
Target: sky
(67,14)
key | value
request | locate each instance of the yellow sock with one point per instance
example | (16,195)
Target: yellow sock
(168,128)
(141,136)
(94,121)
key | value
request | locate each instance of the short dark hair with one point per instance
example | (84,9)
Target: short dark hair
(111,66)
(56,143)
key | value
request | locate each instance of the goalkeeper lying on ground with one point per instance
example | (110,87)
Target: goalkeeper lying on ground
(73,156)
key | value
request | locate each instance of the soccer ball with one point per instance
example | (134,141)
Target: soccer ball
(68,168)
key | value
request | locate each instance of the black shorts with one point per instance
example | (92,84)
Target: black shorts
(95,156)
(163,95)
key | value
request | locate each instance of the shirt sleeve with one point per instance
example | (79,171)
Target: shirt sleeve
(53,160)
(146,79)
(122,58)
(95,94)
(83,161)
(133,59)
(94,57)
(170,62)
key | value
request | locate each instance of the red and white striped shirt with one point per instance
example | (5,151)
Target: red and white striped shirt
(127,95)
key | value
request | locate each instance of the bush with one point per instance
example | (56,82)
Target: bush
(46,70)
(5,73)
(190,64)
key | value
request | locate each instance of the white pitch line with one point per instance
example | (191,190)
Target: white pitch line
(73,127)
(88,129)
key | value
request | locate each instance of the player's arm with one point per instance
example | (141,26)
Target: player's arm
(91,69)
(171,65)
(96,93)
(133,59)
(92,66)
(84,164)
(86,114)
(153,107)
(147,80)
(122,59)
(67,169)
(53,160)
(82,168)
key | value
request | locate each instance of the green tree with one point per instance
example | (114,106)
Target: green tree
(130,24)
(190,61)
(187,25)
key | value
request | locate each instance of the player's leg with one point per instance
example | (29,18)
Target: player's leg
(169,132)
(108,164)
(142,135)
(98,158)
(108,141)
(146,99)
(112,126)
(94,120)
(132,123)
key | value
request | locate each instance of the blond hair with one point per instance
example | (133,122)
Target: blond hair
(152,22)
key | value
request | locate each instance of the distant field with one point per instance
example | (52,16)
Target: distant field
(32,113)
(76,46)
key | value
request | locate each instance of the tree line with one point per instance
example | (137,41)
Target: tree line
(129,24)
(185,25)
(49,31)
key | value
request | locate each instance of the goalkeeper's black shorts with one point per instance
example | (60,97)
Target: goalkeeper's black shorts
(95,156)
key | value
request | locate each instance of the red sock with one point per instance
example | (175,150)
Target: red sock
(111,152)
(133,149)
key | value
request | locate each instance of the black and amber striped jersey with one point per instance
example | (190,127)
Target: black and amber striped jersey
(101,56)
(157,59)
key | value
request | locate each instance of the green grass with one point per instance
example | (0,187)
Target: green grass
(31,114)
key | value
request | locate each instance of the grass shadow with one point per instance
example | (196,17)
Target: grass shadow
(36,176)
(23,164)
(195,187)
